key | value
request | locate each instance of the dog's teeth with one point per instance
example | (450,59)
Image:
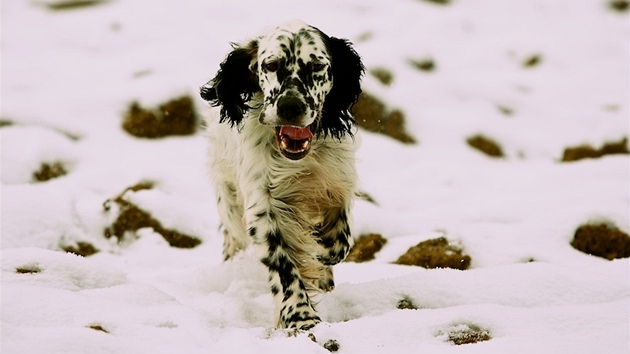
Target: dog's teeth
(284,142)
(305,144)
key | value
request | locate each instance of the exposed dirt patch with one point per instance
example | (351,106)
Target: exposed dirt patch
(506,111)
(365,247)
(406,304)
(532,61)
(485,145)
(435,253)
(383,75)
(97,327)
(619,5)
(28,269)
(372,114)
(70,4)
(131,218)
(602,240)
(364,37)
(175,117)
(439,2)
(48,171)
(464,333)
(426,64)
(81,248)
(588,152)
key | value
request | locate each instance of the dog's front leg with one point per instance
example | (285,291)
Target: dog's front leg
(294,308)
(335,236)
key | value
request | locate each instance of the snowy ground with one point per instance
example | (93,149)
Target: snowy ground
(73,73)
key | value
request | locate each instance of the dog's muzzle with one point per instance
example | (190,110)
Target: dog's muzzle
(294,142)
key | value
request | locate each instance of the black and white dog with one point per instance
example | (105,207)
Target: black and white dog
(283,161)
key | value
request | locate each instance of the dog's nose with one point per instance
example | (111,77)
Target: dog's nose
(290,107)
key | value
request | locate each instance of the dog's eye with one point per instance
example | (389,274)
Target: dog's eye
(318,67)
(271,66)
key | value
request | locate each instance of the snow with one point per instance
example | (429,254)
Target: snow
(69,75)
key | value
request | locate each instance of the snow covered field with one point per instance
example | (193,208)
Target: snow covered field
(537,76)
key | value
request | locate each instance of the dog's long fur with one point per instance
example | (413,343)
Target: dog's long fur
(295,209)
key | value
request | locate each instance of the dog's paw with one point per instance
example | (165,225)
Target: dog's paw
(334,256)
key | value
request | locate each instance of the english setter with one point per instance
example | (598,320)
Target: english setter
(283,161)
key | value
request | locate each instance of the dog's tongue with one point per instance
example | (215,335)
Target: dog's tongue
(295,133)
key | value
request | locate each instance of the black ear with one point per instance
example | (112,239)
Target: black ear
(234,84)
(347,70)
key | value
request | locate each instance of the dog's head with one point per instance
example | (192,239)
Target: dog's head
(308,80)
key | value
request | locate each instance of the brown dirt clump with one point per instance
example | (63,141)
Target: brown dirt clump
(383,75)
(588,152)
(532,61)
(175,117)
(131,218)
(423,64)
(485,145)
(435,253)
(48,171)
(602,240)
(464,333)
(506,111)
(371,114)
(619,5)
(72,4)
(81,248)
(365,247)
(28,269)
(97,327)
(406,304)
(439,2)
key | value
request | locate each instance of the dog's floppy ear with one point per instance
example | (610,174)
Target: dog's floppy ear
(234,84)
(347,70)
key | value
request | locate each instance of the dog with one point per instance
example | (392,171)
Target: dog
(282,159)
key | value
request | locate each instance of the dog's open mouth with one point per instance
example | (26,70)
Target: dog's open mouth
(294,142)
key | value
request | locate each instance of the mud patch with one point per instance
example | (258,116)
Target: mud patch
(602,240)
(383,75)
(426,64)
(81,248)
(464,333)
(364,37)
(438,2)
(58,5)
(406,303)
(131,218)
(619,5)
(48,171)
(436,253)
(28,269)
(175,117)
(97,327)
(372,114)
(365,247)
(485,145)
(588,152)
(532,61)
(506,111)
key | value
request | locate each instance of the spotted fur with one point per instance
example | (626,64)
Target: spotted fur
(297,213)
